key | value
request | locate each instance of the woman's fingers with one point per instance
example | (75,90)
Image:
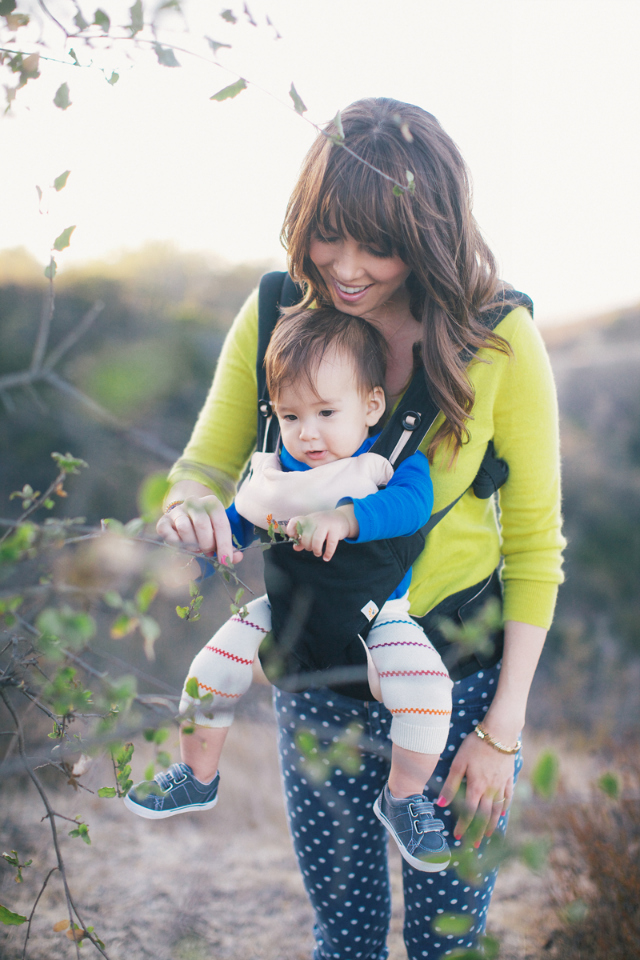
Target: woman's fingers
(200,524)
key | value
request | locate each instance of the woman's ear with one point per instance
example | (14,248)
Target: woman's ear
(376,405)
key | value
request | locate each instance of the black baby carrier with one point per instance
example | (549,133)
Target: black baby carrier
(321,612)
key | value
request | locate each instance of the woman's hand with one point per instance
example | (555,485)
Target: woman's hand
(199,523)
(489,773)
(489,776)
(321,532)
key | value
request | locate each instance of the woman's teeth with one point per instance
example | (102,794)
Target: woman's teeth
(350,290)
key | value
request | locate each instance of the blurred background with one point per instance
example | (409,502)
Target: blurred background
(178,202)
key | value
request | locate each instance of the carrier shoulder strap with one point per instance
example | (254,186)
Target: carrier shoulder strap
(276,290)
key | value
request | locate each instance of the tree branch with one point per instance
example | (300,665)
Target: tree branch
(89,318)
(45,326)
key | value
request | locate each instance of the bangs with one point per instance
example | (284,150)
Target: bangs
(357,201)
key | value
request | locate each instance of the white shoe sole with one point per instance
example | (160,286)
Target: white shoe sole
(163,814)
(422,865)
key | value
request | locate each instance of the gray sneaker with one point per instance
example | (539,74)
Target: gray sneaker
(176,791)
(416,832)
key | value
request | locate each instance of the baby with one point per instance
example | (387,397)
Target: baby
(325,374)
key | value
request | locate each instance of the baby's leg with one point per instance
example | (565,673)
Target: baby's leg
(223,669)
(416,689)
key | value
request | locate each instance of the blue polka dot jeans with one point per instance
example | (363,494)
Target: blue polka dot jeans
(340,845)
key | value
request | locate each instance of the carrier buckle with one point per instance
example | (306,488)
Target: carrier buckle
(264,408)
(411,420)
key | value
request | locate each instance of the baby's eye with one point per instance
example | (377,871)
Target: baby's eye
(326,413)
(290,417)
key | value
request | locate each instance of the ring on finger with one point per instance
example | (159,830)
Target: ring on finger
(501,800)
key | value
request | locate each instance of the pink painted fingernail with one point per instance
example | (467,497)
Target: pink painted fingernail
(457,836)
(477,844)
(441,802)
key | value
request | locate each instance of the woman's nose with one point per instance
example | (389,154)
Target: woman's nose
(347,265)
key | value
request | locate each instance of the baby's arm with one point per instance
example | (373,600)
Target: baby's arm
(400,509)
(321,532)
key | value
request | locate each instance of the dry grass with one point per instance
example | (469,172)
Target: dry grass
(218,886)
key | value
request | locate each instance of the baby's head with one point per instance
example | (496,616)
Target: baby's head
(325,375)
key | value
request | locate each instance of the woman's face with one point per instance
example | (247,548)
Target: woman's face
(362,280)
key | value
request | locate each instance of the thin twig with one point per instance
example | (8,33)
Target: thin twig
(51,17)
(33,910)
(71,907)
(72,338)
(45,325)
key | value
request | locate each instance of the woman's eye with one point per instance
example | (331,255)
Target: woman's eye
(327,238)
(375,252)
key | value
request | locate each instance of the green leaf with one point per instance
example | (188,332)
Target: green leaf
(112,599)
(610,784)
(151,494)
(63,241)
(60,182)
(122,626)
(534,854)
(160,735)
(137,18)
(113,79)
(215,46)
(194,589)
(7,916)
(80,21)
(337,120)
(61,98)
(191,688)
(149,771)
(231,91)
(74,627)
(163,758)
(454,923)
(183,612)
(68,463)
(166,56)
(74,57)
(229,16)
(298,104)
(575,912)
(545,775)
(101,20)
(396,190)
(145,595)
(51,269)
(124,755)
(7,7)
(188,730)
(107,792)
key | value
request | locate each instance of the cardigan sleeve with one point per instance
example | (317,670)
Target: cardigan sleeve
(225,432)
(527,436)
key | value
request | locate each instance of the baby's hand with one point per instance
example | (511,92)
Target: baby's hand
(321,532)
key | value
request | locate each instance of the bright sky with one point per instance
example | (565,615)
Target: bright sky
(541,96)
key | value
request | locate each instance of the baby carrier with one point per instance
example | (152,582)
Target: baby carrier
(321,612)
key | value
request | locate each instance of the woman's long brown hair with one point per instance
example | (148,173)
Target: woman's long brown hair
(453,277)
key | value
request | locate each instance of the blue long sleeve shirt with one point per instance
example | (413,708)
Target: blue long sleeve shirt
(397,510)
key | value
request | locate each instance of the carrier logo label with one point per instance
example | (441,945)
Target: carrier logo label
(370,610)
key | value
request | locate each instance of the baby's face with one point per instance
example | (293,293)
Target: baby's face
(331,422)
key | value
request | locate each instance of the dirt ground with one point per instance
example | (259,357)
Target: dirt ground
(221,885)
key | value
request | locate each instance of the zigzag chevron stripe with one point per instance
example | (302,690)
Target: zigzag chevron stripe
(230,656)
(401,643)
(440,713)
(384,623)
(248,623)
(219,692)
(413,673)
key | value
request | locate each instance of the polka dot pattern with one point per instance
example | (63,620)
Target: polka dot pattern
(342,848)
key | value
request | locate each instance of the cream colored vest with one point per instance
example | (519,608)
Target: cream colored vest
(269,490)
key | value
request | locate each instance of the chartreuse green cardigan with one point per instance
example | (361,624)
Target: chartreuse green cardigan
(515,406)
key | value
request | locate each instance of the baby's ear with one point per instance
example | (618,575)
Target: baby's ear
(376,406)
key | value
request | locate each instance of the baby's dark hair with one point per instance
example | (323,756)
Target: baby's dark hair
(302,338)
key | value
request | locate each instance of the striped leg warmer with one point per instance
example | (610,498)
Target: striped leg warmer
(223,667)
(414,683)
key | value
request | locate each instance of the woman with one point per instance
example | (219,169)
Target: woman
(413,263)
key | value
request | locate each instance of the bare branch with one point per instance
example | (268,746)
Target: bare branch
(51,17)
(45,325)
(89,318)
(33,910)
(71,907)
